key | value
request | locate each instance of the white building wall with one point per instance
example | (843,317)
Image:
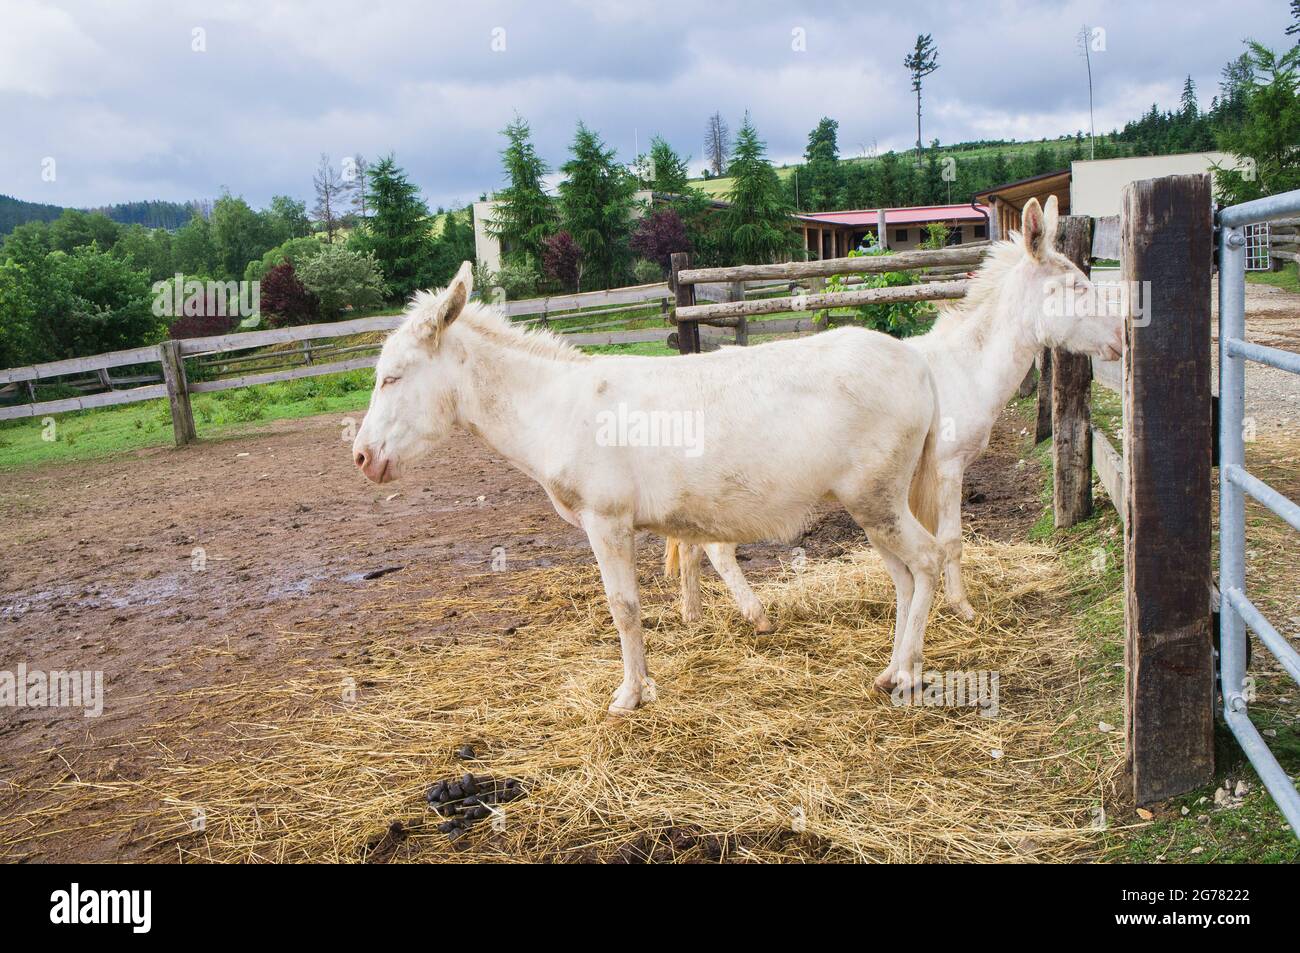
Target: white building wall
(486,248)
(1097,185)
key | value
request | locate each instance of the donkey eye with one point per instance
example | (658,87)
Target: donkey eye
(389,380)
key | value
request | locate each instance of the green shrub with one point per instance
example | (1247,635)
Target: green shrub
(518,279)
(340,277)
(901,319)
(646,272)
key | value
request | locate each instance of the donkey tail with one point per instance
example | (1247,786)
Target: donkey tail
(923,497)
(672,557)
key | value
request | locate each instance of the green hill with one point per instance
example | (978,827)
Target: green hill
(13,212)
(152,214)
(978,150)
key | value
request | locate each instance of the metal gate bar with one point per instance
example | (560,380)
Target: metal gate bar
(1237,611)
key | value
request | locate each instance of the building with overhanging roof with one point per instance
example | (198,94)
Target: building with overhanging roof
(1006,202)
(825,234)
(835,234)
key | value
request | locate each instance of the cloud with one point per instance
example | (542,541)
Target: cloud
(117,92)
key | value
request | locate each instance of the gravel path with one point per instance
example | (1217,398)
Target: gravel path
(1273,319)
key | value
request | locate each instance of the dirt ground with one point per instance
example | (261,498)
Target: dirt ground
(125,565)
(175,571)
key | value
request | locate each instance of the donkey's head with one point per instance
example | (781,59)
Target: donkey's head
(1057,303)
(413,405)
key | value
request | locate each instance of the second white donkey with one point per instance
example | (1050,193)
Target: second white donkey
(1025,297)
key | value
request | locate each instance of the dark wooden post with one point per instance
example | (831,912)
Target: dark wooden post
(736,292)
(1029,384)
(688,332)
(1169,717)
(1043,424)
(178,394)
(1071,395)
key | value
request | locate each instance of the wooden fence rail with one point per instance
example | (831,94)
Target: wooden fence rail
(171,356)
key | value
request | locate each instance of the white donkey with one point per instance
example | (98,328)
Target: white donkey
(1025,297)
(738,445)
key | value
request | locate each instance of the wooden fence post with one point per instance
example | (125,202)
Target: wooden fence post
(736,292)
(688,332)
(1169,717)
(178,394)
(1071,394)
(1029,384)
(816,286)
(1043,423)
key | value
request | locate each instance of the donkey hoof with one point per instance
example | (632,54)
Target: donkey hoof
(764,626)
(691,616)
(899,681)
(966,610)
(629,698)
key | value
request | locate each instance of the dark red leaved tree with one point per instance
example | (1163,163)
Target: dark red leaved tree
(562,260)
(660,234)
(284,300)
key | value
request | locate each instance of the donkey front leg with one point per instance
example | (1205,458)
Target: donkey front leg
(949,536)
(614,543)
(723,557)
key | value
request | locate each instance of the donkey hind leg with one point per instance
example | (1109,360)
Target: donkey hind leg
(689,562)
(614,543)
(723,557)
(949,534)
(906,539)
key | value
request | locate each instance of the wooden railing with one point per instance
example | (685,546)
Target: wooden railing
(171,381)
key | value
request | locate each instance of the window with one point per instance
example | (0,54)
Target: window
(954,237)
(981,231)
(900,234)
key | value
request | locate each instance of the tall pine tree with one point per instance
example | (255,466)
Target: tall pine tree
(822,185)
(757,223)
(663,170)
(597,198)
(524,214)
(398,229)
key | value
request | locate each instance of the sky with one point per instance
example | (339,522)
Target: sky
(138,100)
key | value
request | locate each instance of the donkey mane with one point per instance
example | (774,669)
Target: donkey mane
(984,286)
(490,323)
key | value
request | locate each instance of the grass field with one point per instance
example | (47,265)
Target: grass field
(93,433)
(719,187)
(1288,279)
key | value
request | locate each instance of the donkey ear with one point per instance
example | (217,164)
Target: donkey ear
(430,312)
(1032,227)
(1051,216)
(457,294)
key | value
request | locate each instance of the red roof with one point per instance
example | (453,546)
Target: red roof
(900,216)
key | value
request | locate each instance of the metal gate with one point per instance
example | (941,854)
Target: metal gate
(1237,611)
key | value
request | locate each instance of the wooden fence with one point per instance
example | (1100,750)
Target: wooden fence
(211,355)
(1284,241)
